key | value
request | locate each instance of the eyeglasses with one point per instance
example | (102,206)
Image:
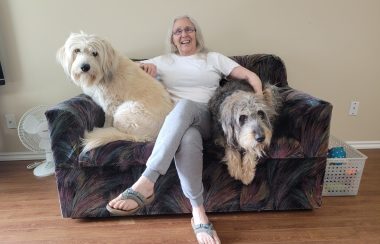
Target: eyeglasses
(187,30)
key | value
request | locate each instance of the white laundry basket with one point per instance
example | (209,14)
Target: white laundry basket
(343,175)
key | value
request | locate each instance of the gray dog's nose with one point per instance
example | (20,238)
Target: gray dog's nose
(85,67)
(260,138)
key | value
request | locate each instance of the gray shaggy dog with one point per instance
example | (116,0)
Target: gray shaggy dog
(242,123)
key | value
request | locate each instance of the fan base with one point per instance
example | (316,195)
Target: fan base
(45,169)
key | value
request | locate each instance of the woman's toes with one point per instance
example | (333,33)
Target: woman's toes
(120,204)
(205,238)
(114,201)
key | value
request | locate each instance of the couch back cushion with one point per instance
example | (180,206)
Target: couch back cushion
(270,68)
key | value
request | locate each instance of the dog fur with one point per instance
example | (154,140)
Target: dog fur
(242,124)
(135,103)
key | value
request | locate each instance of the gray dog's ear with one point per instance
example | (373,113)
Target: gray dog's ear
(109,62)
(228,128)
(227,120)
(272,97)
(268,96)
(272,101)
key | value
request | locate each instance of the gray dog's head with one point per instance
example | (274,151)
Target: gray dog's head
(246,121)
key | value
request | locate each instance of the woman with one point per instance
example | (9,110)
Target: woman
(191,75)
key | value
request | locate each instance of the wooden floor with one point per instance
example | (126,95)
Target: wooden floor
(29,213)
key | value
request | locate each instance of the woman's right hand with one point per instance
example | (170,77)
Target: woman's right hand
(151,69)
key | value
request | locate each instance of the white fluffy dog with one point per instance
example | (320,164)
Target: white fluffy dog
(134,102)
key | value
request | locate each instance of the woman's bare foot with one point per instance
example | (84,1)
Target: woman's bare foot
(143,186)
(200,217)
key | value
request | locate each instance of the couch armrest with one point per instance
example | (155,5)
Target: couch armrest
(303,126)
(68,122)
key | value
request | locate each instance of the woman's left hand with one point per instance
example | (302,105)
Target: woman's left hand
(241,73)
(151,69)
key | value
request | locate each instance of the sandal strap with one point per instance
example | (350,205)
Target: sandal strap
(134,195)
(208,228)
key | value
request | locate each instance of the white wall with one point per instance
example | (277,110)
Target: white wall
(330,47)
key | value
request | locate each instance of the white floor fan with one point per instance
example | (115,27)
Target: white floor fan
(34,135)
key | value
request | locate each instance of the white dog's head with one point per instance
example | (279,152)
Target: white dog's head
(87,59)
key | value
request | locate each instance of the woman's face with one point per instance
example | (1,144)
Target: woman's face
(183,37)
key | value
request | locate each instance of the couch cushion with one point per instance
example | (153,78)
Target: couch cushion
(270,68)
(120,154)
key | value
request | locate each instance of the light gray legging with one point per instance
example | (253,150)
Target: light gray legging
(181,138)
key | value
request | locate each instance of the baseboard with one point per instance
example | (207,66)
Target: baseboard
(364,144)
(16,156)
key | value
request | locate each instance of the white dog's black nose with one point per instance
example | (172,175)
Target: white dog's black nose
(85,67)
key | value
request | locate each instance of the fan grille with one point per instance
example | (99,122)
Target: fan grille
(29,140)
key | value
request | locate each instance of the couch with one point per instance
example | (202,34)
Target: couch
(289,177)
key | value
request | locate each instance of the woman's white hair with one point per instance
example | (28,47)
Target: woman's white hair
(171,48)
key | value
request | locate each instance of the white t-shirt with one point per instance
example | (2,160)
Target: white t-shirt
(194,77)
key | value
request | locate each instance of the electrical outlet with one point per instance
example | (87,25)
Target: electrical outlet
(354,108)
(10,121)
